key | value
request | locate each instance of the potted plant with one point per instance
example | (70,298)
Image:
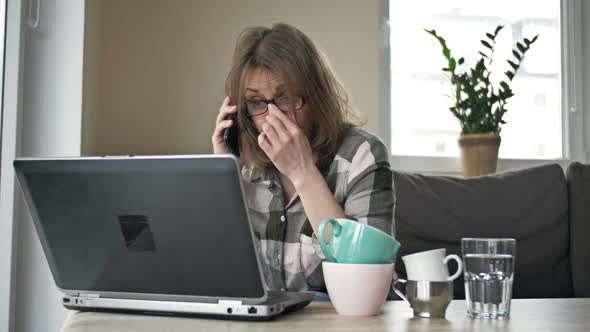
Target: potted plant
(478,104)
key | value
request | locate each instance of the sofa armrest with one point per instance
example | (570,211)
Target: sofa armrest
(578,180)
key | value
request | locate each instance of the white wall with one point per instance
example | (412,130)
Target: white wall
(163,65)
(50,126)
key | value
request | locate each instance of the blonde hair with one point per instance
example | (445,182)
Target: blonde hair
(287,52)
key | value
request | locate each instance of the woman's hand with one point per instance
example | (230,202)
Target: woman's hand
(286,145)
(221,123)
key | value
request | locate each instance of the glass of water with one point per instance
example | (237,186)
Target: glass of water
(488,270)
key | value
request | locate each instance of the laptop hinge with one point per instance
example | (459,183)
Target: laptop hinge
(89,295)
(230,302)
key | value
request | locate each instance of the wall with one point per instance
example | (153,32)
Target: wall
(163,65)
(50,125)
(91,82)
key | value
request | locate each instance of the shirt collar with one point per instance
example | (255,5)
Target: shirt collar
(255,174)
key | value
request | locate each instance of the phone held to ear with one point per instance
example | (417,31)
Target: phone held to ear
(231,136)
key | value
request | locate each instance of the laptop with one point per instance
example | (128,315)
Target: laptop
(159,235)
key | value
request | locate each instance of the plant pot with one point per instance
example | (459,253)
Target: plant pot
(479,154)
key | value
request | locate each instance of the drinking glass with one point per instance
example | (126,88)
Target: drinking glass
(488,271)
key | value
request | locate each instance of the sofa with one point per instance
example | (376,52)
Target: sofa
(545,210)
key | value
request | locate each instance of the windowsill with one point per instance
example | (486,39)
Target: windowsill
(451,166)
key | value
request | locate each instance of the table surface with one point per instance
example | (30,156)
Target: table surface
(526,315)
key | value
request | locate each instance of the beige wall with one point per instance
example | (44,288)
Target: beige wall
(162,65)
(91,81)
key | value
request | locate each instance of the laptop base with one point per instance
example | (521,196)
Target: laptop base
(288,302)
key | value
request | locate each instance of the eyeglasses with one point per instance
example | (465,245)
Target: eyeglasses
(256,107)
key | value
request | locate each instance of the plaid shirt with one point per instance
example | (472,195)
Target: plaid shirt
(361,180)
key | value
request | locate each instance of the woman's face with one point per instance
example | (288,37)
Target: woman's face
(263,84)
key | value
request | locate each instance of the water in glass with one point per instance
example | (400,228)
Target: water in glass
(488,284)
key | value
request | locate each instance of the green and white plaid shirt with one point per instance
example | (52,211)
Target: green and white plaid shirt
(361,180)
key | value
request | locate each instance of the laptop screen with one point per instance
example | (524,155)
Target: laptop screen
(174,226)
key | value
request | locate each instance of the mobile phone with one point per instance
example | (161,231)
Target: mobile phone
(231,136)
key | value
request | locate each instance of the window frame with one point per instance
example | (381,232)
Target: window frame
(571,100)
(9,203)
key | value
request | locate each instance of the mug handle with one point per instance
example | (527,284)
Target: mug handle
(336,229)
(398,292)
(459,266)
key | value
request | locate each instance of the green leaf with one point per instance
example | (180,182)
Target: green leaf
(454,111)
(446,51)
(534,39)
(461,61)
(483,55)
(490,36)
(516,55)
(513,65)
(498,28)
(509,74)
(527,42)
(432,32)
(486,44)
(521,47)
(446,69)
(452,64)
(505,85)
(480,66)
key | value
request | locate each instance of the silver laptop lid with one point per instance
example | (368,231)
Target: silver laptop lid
(174,226)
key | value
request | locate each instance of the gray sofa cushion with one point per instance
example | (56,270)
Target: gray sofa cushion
(578,178)
(530,205)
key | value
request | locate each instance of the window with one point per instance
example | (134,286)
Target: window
(422,125)
(2,36)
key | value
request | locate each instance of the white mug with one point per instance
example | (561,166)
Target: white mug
(431,265)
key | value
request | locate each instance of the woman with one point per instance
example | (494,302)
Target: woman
(302,160)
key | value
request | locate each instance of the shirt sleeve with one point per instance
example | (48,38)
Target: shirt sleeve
(369,199)
(370,196)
